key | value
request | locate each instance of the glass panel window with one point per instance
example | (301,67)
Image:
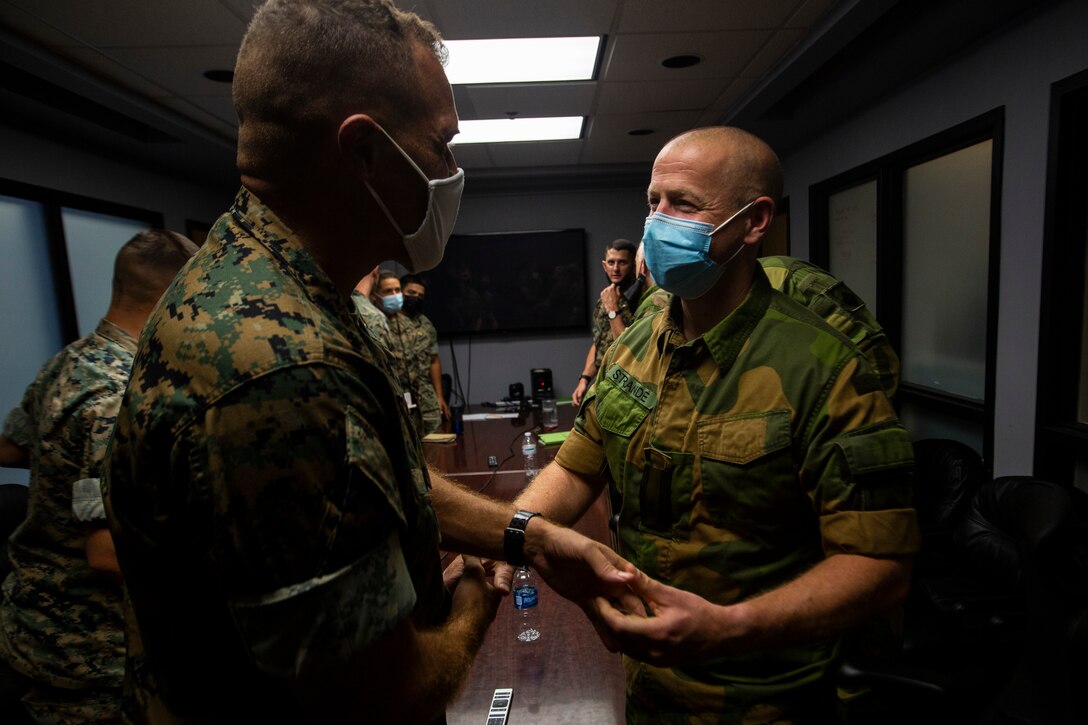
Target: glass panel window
(93,240)
(30,326)
(851,216)
(946,227)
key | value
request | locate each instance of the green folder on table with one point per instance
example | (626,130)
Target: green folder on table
(551,439)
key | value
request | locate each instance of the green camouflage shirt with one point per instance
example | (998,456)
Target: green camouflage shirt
(60,621)
(744,457)
(602,327)
(413,342)
(268,498)
(832,300)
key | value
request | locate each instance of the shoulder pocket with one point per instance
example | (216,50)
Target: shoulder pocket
(743,438)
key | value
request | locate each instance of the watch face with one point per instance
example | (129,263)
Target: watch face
(612,315)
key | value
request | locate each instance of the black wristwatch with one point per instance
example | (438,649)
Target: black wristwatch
(513,541)
(587,378)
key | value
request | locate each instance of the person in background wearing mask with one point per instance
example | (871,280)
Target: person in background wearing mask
(614,310)
(62,630)
(419,342)
(274,520)
(374,321)
(764,477)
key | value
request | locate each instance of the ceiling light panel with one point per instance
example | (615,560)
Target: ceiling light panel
(522,60)
(506,130)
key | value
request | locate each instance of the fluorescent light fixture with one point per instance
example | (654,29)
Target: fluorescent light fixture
(503,130)
(521,60)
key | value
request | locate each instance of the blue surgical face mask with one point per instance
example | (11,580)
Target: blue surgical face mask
(392,303)
(678,253)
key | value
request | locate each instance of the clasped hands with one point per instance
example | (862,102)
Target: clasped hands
(632,613)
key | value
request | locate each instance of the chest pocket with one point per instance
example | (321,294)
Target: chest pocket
(623,402)
(748,476)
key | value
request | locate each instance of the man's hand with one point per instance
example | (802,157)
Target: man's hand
(579,392)
(473,595)
(664,626)
(444,406)
(610,298)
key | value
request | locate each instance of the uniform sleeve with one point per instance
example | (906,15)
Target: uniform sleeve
(88,434)
(859,468)
(312,514)
(583,450)
(432,337)
(20,425)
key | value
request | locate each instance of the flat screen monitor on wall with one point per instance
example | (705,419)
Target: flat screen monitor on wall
(510,282)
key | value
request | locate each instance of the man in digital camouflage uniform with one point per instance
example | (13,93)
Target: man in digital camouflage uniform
(61,627)
(373,318)
(273,517)
(614,310)
(765,478)
(419,341)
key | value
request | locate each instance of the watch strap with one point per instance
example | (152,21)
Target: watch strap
(513,541)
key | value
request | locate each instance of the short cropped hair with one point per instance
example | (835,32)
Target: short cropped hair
(621,245)
(386,274)
(147,264)
(413,279)
(304,64)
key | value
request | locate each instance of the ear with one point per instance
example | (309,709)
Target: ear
(759,219)
(356,138)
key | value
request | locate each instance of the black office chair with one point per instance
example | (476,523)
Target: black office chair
(996,625)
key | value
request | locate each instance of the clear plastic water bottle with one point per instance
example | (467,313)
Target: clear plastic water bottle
(528,449)
(525,602)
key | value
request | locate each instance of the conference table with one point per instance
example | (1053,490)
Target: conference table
(567,675)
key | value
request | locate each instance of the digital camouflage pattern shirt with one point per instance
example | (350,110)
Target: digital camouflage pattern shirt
(413,343)
(375,321)
(267,494)
(602,327)
(61,621)
(743,457)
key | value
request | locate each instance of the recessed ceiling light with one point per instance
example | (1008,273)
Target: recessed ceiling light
(521,60)
(640,132)
(220,76)
(506,130)
(681,61)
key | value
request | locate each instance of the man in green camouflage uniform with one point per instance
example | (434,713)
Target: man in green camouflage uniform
(763,473)
(273,517)
(61,626)
(613,311)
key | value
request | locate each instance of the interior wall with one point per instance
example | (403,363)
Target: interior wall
(1016,71)
(497,361)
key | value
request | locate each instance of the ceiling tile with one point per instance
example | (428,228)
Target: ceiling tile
(649,96)
(545,153)
(724,53)
(531,100)
(770,54)
(809,13)
(112,23)
(654,16)
(462,19)
(609,142)
(177,70)
(473,156)
(219,107)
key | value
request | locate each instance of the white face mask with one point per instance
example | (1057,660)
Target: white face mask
(426,245)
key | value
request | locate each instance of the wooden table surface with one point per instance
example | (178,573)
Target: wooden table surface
(566,676)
